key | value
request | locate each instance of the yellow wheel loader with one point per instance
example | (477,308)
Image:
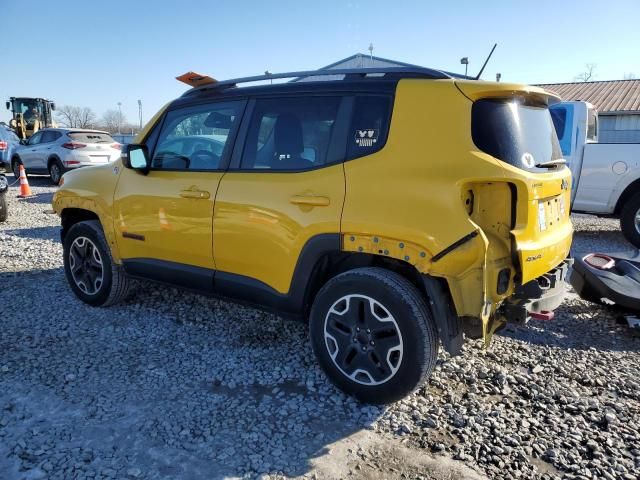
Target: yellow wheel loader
(30,115)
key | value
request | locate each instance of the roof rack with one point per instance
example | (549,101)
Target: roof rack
(348,73)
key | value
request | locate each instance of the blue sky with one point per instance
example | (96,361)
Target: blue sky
(97,54)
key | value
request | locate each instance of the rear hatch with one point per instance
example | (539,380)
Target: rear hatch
(512,123)
(96,147)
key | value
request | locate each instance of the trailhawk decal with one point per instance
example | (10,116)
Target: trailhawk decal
(367,137)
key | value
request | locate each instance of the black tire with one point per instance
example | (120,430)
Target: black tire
(4,211)
(15,167)
(630,220)
(56,170)
(381,373)
(113,285)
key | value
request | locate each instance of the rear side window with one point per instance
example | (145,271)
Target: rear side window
(292,133)
(515,131)
(91,137)
(369,126)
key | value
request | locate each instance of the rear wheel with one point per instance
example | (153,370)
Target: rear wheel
(630,220)
(89,268)
(373,334)
(56,170)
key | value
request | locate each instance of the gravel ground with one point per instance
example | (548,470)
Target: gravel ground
(174,385)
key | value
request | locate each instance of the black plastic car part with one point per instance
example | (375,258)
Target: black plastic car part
(612,276)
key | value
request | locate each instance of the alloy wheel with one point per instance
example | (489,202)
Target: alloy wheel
(363,339)
(636,220)
(85,263)
(55,173)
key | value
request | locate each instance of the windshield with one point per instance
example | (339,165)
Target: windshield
(516,131)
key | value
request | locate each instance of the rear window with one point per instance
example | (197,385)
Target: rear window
(592,125)
(515,131)
(91,137)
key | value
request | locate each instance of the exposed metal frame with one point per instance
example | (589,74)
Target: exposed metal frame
(363,72)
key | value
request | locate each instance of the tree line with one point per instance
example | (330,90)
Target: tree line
(111,121)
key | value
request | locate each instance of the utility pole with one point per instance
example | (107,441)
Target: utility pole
(140,112)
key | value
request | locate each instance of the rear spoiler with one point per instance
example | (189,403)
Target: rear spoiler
(194,79)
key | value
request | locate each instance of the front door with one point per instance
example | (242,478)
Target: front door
(287,187)
(164,219)
(28,153)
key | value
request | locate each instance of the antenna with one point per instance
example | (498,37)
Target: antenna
(486,61)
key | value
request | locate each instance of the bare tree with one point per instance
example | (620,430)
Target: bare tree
(113,121)
(588,74)
(76,117)
(629,76)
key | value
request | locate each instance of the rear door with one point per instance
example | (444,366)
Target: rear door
(45,149)
(164,219)
(286,186)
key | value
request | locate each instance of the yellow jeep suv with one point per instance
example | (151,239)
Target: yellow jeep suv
(394,209)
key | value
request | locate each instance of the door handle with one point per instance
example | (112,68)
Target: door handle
(313,200)
(194,194)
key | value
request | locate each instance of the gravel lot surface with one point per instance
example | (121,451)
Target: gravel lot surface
(173,385)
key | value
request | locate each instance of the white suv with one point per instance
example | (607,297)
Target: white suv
(53,151)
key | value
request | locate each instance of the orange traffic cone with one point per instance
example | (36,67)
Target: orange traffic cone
(164,223)
(25,189)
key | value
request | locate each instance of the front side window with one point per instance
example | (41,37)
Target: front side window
(516,131)
(292,133)
(196,138)
(35,139)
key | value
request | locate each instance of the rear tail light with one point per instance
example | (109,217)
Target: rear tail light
(599,261)
(73,145)
(117,146)
(3,145)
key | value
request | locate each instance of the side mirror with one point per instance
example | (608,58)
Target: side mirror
(8,104)
(136,157)
(24,141)
(53,106)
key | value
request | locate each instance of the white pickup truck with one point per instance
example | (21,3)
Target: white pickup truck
(606,176)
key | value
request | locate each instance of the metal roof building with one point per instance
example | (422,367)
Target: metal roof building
(617,102)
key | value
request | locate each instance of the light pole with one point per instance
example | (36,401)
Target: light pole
(119,116)
(140,112)
(465,61)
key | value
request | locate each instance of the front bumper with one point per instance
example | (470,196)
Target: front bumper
(539,296)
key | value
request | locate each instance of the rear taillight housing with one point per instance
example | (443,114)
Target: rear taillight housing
(3,145)
(117,146)
(73,145)
(599,261)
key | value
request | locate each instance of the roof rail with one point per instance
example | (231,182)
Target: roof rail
(363,72)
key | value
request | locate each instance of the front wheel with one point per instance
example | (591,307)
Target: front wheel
(89,268)
(15,167)
(630,220)
(4,212)
(373,334)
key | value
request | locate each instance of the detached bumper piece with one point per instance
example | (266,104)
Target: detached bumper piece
(613,276)
(538,298)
